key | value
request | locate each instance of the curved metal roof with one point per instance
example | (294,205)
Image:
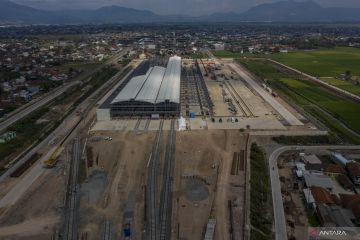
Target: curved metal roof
(132,88)
(158,85)
(149,91)
(170,87)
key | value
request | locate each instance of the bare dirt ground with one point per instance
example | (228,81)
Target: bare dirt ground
(202,187)
(202,181)
(37,215)
(205,159)
(123,163)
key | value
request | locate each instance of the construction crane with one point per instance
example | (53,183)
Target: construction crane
(50,163)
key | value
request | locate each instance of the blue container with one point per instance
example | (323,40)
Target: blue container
(192,115)
(127,232)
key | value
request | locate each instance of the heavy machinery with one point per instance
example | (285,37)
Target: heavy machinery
(54,157)
(51,162)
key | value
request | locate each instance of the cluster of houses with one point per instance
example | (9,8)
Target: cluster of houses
(331,189)
(29,66)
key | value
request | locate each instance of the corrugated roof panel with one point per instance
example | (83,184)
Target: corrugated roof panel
(150,89)
(132,88)
(170,87)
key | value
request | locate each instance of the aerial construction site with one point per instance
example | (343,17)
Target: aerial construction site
(160,152)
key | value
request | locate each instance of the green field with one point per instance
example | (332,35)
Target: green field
(229,54)
(260,195)
(324,62)
(320,102)
(30,132)
(340,107)
(347,86)
(199,55)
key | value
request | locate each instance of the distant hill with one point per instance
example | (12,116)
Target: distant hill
(292,11)
(15,13)
(112,14)
(283,11)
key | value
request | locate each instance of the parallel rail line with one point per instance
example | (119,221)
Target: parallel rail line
(147,124)
(166,194)
(107,231)
(245,106)
(70,228)
(152,218)
(137,124)
(236,100)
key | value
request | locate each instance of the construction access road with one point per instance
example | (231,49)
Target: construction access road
(279,214)
(62,130)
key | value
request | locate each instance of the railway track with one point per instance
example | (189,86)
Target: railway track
(236,100)
(107,231)
(152,213)
(166,194)
(239,101)
(146,128)
(71,206)
(136,128)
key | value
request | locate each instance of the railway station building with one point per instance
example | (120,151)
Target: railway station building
(155,92)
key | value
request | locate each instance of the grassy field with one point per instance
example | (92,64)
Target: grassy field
(341,108)
(323,63)
(261,204)
(229,54)
(315,99)
(30,132)
(347,86)
(27,132)
(199,55)
(80,66)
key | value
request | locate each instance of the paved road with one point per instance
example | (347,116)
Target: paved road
(25,182)
(288,116)
(15,193)
(353,96)
(19,114)
(279,214)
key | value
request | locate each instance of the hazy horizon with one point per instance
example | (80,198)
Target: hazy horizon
(186,7)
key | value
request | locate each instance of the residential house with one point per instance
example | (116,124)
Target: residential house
(353,169)
(334,170)
(352,202)
(318,180)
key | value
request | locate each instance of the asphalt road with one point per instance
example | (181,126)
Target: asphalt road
(30,176)
(17,115)
(279,214)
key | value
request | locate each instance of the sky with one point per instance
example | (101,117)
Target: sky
(183,7)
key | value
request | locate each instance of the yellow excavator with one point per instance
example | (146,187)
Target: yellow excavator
(51,162)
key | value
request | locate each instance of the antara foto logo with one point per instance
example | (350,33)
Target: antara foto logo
(313,232)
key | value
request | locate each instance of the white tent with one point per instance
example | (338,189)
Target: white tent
(182,124)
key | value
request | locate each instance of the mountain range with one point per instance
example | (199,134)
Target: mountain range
(282,11)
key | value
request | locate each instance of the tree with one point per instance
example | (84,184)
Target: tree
(347,74)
